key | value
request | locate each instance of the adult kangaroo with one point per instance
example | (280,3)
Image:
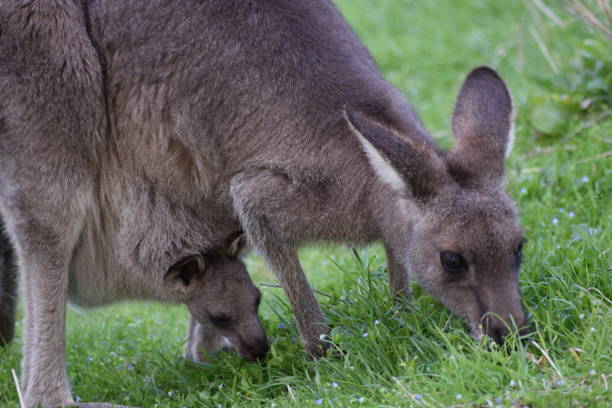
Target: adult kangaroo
(135,132)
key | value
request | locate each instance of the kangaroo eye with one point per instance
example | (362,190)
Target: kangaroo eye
(220,321)
(452,262)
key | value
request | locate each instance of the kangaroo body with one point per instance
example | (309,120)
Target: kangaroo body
(136,133)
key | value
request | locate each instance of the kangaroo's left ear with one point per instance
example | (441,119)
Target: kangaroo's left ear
(482,125)
(408,163)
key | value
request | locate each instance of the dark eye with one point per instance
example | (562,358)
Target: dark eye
(452,262)
(220,321)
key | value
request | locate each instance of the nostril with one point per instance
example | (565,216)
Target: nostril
(262,348)
(497,330)
(497,336)
(258,349)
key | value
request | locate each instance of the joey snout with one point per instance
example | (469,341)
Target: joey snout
(250,341)
(223,303)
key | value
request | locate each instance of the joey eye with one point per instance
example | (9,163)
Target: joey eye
(452,262)
(220,320)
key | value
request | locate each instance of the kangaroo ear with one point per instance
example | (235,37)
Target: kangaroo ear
(237,244)
(409,164)
(180,275)
(482,126)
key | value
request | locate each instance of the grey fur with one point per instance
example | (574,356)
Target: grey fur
(136,133)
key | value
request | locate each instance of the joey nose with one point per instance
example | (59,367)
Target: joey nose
(259,349)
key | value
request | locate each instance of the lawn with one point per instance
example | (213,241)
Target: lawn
(560,73)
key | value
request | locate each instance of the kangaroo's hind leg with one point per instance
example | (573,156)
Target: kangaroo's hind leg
(53,126)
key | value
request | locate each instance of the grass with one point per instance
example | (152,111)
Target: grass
(131,353)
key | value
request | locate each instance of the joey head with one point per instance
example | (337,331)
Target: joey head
(223,303)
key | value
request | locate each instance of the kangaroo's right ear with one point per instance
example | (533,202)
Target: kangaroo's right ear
(482,126)
(409,164)
(180,275)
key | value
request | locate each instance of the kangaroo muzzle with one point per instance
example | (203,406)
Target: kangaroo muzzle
(498,329)
(251,343)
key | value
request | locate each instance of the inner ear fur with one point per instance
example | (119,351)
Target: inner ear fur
(481,124)
(410,164)
(183,272)
(236,244)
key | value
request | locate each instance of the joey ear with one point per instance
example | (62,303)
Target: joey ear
(409,164)
(482,126)
(236,244)
(181,274)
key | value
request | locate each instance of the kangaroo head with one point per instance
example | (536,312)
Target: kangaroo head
(462,241)
(220,295)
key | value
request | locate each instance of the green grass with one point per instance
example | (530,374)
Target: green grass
(131,353)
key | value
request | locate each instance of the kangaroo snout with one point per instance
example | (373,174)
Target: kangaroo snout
(257,349)
(498,329)
(252,348)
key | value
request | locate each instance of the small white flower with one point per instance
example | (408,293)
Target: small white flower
(364,335)
(593,372)
(361,399)
(571,214)
(559,383)
(512,383)
(581,316)
(418,396)
(561,210)
(376,322)
(319,401)
(170,393)
(523,191)
(334,384)
(458,396)
(584,179)
(322,337)
(592,329)
(554,221)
